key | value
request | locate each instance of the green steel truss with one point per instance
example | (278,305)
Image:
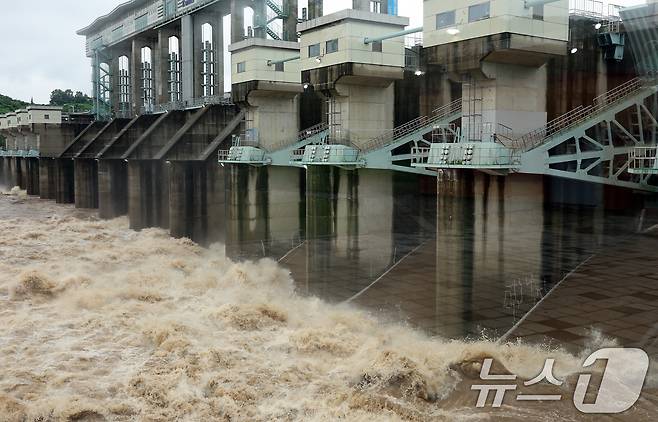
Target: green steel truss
(102,89)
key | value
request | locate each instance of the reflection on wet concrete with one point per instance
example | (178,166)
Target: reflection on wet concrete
(456,256)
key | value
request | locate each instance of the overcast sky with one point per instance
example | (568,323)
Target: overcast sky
(41,52)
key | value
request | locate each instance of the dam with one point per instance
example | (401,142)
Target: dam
(448,175)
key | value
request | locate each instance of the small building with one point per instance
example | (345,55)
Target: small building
(354,74)
(251,60)
(3,122)
(338,38)
(446,22)
(266,80)
(12,120)
(22,117)
(39,114)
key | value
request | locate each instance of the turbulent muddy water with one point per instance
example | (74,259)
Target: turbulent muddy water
(103,323)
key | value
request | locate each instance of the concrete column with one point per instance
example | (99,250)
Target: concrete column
(114,78)
(315,9)
(181,198)
(47,178)
(187,56)
(237,21)
(136,71)
(361,5)
(65,181)
(260,18)
(148,194)
(365,5)
(32,176)
(136,76)
(290,23)
(112,188)
(197,201)
(161,63)
(3,165)
(23,173)
(86,183)
(214,19)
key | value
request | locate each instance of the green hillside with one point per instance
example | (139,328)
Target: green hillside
(8,104)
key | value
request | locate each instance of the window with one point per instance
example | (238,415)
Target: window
(279,67)
(242,67)
(376,6)
(445,20)
(332,46)
(314,50)
(538,12)
(478,12)
(377,46)
(46,116)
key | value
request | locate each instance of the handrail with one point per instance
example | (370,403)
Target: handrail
(578,115)
(302,136)
(389,137)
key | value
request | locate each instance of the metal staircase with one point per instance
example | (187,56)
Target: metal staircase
(380,152)
(416,128)
(582,115)
(595,143)
(268,22)
(601,143)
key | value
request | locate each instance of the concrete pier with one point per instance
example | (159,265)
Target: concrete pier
(197,200)
(148,194)
(31,166)
(48,178)
(64,181)
(86,183)
(112,188)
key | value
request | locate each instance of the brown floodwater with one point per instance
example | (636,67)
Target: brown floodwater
(104,323)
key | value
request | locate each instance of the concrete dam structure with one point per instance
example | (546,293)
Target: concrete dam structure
(504,88)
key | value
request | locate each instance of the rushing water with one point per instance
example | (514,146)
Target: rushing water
(104,323)
(101,322)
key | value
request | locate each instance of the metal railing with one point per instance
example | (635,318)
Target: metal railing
(595,9)
(643,159)
(389,137)
(302,136)
(312,131)
(579,115)
(193,103)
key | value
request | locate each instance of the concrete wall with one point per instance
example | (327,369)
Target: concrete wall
(365,111)
(505,16)
(514,96)
(275,115)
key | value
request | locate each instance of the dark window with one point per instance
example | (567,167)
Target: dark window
(445,20)
(314,50)
(242,67)
(538,12)
(377,46)
(479,12)
(332,46)
(46,116)
(279,67)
